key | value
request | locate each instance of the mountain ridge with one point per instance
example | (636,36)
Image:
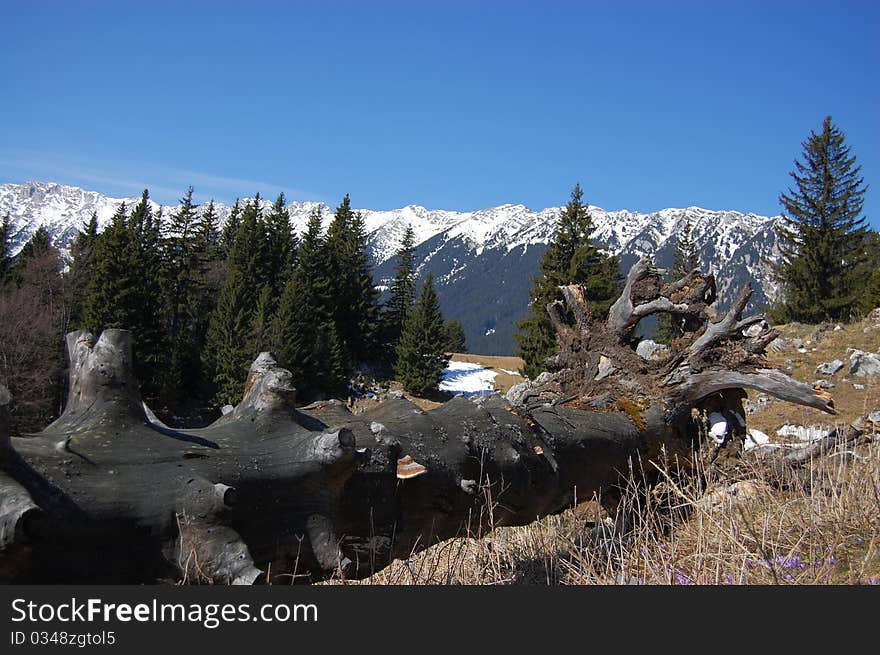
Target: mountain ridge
(482,260)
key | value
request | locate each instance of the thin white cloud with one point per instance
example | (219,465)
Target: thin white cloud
(166,185)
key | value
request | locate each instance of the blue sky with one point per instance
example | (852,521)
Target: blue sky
(454,105)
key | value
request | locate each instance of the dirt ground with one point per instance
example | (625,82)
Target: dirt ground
(822,344)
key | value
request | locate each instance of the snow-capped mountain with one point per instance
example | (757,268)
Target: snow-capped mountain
(482,260)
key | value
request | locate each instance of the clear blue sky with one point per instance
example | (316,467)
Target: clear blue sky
(447,104)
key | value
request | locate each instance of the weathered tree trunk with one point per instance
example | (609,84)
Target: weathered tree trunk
(272,492)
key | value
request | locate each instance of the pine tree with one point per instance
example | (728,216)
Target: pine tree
(685,260)
(228,352)
(82,256)
(571,258)
(37,246)
(185,274)
(211,269)
(126,289)
(870,298)
(5,248)
(151,352)
(109,294)
(420,353)
(233,221)
(277,257)
(308,342)
(402,294)
(455,341)
(822,235)
(356,311)
(208,240)
(281,246)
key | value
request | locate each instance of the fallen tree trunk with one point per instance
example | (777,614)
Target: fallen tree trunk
(278,493)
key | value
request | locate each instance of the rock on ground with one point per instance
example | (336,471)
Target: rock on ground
(863,363)
(829,368)
(651,350)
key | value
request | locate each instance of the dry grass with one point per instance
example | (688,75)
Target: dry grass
(747,528)
(748,531)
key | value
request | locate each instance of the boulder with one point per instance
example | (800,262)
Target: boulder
(651,350)
(517,394)
(606,368)
(779,344)
(863,363)
(829,368)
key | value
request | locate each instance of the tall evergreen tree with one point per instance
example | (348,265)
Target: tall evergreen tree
(455,341)
(870,298)
(228,352)
(126,289)
(309,344)
(822,235)
(37,246)
(571,258)
(110,294)
(421,354)
(233,221)
(185,275)
(277,256)
(150,325)
(356,309)
(685,260)
(5,248)
(211,267)
(402,294)
(281,245)
(208,239)
(82,256)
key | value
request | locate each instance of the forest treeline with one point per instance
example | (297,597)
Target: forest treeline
(203,301)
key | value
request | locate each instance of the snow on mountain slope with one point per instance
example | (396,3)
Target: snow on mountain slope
(482,260)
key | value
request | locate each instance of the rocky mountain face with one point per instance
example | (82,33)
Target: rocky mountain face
(482,261)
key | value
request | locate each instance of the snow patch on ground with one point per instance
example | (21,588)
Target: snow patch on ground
(803,433)
(468,379)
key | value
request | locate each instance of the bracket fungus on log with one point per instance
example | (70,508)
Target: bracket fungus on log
(272,492)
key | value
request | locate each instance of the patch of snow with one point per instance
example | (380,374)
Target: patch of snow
(468,379)
(755,438)
(719,426)
(803,433)
(504,370)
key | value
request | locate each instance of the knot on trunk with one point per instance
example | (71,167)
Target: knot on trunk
(268,388)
